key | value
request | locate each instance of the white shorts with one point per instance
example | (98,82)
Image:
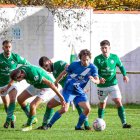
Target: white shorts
(14,86)
(46,94)
(113,91)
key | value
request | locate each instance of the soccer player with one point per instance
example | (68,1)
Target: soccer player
(56,68)
(8,62)
(106,64)
(41,85)
(78,74)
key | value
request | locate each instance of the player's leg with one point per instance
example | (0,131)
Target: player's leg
(6,101)
(53,101)
(117,98)
(22,101)
(80,111)
(68,97)
(10,110)
(83,102)
(57,116)
(33,106)
(49,111)
(102,96)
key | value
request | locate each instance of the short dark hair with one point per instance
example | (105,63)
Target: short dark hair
(104,42)
(42,60)
(84,51)
(5,42)
(15,74)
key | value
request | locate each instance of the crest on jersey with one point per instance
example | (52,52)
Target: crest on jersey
(12,62)
(80,77)
(107,68)
(55,71)
(112,61)
(36,78)
(62,63)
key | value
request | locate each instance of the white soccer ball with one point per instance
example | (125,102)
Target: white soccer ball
(99,124)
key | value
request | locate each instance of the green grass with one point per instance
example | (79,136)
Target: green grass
(64,128)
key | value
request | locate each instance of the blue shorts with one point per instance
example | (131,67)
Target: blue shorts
(70,96)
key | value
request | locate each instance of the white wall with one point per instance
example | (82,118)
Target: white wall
(123,32)
(40,35)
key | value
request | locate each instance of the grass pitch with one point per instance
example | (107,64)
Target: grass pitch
(64,128)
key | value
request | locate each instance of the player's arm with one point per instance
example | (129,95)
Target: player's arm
(123,70)
(60,77)
(53,87)
(95,79)
(3,90)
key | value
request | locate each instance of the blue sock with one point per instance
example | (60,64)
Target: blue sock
(55,117)
(81,120)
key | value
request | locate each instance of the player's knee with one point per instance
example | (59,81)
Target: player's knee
(32,106)
(50,105)
(63,110)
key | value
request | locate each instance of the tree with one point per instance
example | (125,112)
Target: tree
(95,4)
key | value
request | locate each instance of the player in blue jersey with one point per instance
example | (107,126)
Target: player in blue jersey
(56,68)
(78,74)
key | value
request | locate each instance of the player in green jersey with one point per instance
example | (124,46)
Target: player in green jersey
(106,64)
(41,86)
(8,62)
(56,68)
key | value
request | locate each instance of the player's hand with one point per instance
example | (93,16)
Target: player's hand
(102,80)
(86,90)
(63,103)
(125,79)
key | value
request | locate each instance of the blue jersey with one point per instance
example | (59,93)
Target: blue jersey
(78,76)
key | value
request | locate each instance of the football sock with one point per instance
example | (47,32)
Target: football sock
(121,113)
(80,110)
(81,120)
(55,117)
(30,120)
(26,109)
(101,113)
(5,108)
(10,111)
(47,116)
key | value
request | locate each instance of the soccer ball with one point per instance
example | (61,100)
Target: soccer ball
(99,124)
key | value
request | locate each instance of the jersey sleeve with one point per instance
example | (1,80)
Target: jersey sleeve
(121,66)
(69,69)
(95,71)
(118,63)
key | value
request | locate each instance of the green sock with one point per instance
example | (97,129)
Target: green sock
(101,113)
(26,109)
(30,120)
(80,110)
(121,113)
(5,108)
(10,111)
(47,116)
(13,118)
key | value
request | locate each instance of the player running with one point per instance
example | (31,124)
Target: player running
(78,74)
